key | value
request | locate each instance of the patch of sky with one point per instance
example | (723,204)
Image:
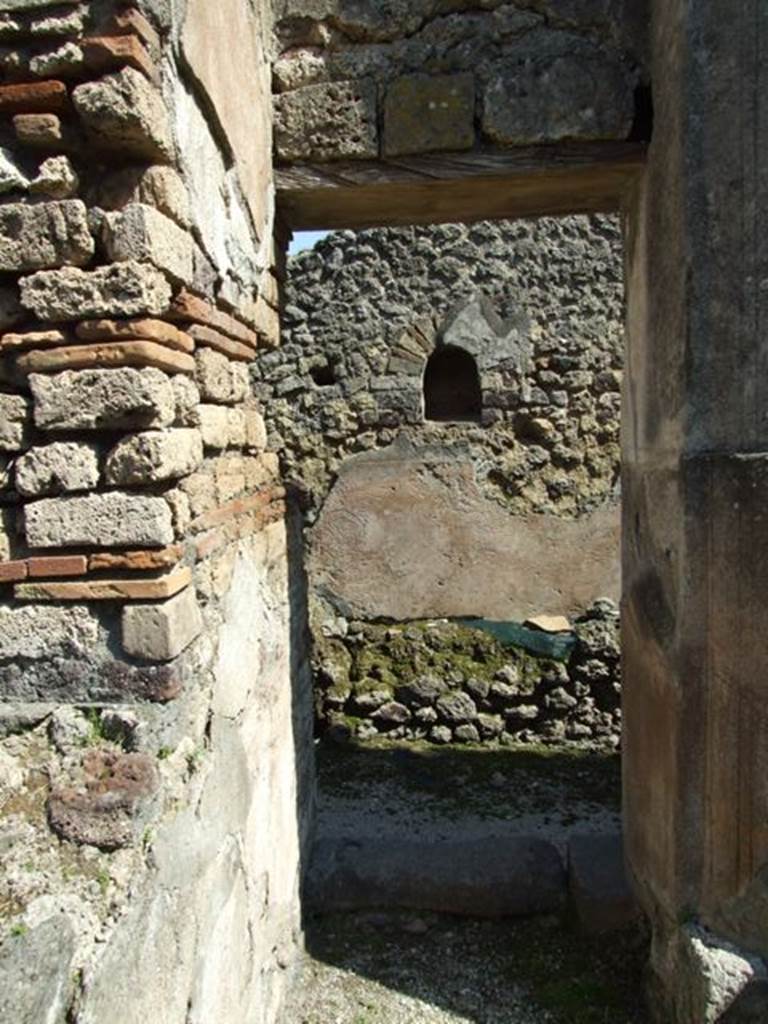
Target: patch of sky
(305,240)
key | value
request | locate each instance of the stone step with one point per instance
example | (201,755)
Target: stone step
(492,877)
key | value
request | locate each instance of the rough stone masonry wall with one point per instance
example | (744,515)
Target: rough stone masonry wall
(151,629)
(371,79)
(540,306)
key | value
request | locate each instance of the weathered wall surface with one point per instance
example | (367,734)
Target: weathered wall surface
(506,517)
(695,566)
(406,536)
(364,80)
(154,705)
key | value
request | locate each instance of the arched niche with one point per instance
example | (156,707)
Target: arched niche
(452,391)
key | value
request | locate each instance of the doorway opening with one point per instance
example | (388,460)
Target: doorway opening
(458,480)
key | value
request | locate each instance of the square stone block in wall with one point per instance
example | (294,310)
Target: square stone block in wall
(153,456)
(331,121)
(126,113)
(121,399)
(222,427)
(99,520)
(569,96)
(14,422)
(160,632)
(428,113)
(58,467)
(44,235)
(121,289)
(220,380)
(140,232)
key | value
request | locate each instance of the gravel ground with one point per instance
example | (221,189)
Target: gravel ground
(392,790)
(404,969)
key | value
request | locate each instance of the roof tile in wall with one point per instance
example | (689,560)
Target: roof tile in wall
(191,308)
(114,354)
(146,328)
(158,588)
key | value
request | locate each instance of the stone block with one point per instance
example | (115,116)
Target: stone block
(99,520)
(142,232)
(56,178)
(44,235)
(153,456)
(101,807)
(718,982)
(126,113)
(57,468)
(32,633)
(429,113)
(222,427)
(105,355)
(568,96)
(187,400)
(600,894)
(143,327)
(160,632)
(158,186)
(38,965)
(122,290)
(14,422)
(219,379)
(488,877)
(123,399)
(255,430)
(39,131)
(329,121)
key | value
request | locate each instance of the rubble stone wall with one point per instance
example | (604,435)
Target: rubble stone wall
(154,712)
(454,682)
(409,519)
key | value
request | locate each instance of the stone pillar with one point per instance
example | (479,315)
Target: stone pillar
(695,453)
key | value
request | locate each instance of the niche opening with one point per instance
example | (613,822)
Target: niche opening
(452,387)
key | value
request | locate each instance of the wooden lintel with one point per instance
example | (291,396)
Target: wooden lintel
(448,187)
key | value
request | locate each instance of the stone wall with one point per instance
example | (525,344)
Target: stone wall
(538,303)
(154,711)
(504,517)
(457,682)
(370,80)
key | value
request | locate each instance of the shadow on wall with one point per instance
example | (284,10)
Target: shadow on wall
(301,682)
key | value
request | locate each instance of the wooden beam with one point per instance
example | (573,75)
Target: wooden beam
(446,187)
